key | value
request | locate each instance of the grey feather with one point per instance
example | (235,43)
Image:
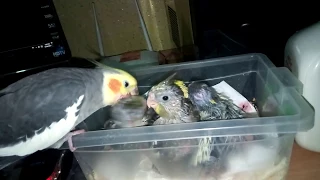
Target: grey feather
(211,104)
(150,116)
(35,102)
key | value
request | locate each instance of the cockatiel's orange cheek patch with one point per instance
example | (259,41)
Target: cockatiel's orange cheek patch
(114,85)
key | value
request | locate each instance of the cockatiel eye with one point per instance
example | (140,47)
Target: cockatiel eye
(126,84)
(165,98)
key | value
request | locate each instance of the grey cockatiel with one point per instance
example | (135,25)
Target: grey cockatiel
(39,111)
(170,101)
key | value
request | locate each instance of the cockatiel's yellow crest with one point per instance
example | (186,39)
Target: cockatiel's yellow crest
(183,87)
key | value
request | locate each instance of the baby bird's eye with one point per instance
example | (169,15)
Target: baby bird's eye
(126,84)
(165,98)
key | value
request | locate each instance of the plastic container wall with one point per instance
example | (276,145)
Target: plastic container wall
(127,153)
(137,164)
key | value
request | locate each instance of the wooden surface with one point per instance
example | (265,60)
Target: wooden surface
(304,164)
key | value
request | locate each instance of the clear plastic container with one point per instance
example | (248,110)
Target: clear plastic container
(126,154)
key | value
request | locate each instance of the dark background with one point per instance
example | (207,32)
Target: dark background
(229,28)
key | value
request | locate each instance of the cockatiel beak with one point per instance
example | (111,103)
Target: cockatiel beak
(158,108)
(135,91)
(151,102)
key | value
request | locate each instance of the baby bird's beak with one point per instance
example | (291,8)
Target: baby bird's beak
(151,102)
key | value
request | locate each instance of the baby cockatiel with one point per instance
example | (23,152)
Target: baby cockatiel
(211,104)
(170,101)
(214,106)
(129,112)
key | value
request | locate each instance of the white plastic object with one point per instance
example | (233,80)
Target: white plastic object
(302,57)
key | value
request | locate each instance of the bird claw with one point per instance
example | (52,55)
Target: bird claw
(72,149)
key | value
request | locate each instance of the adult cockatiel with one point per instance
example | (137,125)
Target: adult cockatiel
(39,111)
(170,101)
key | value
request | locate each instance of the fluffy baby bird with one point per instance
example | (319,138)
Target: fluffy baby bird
(170,101)
(128,112)
(211,104)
